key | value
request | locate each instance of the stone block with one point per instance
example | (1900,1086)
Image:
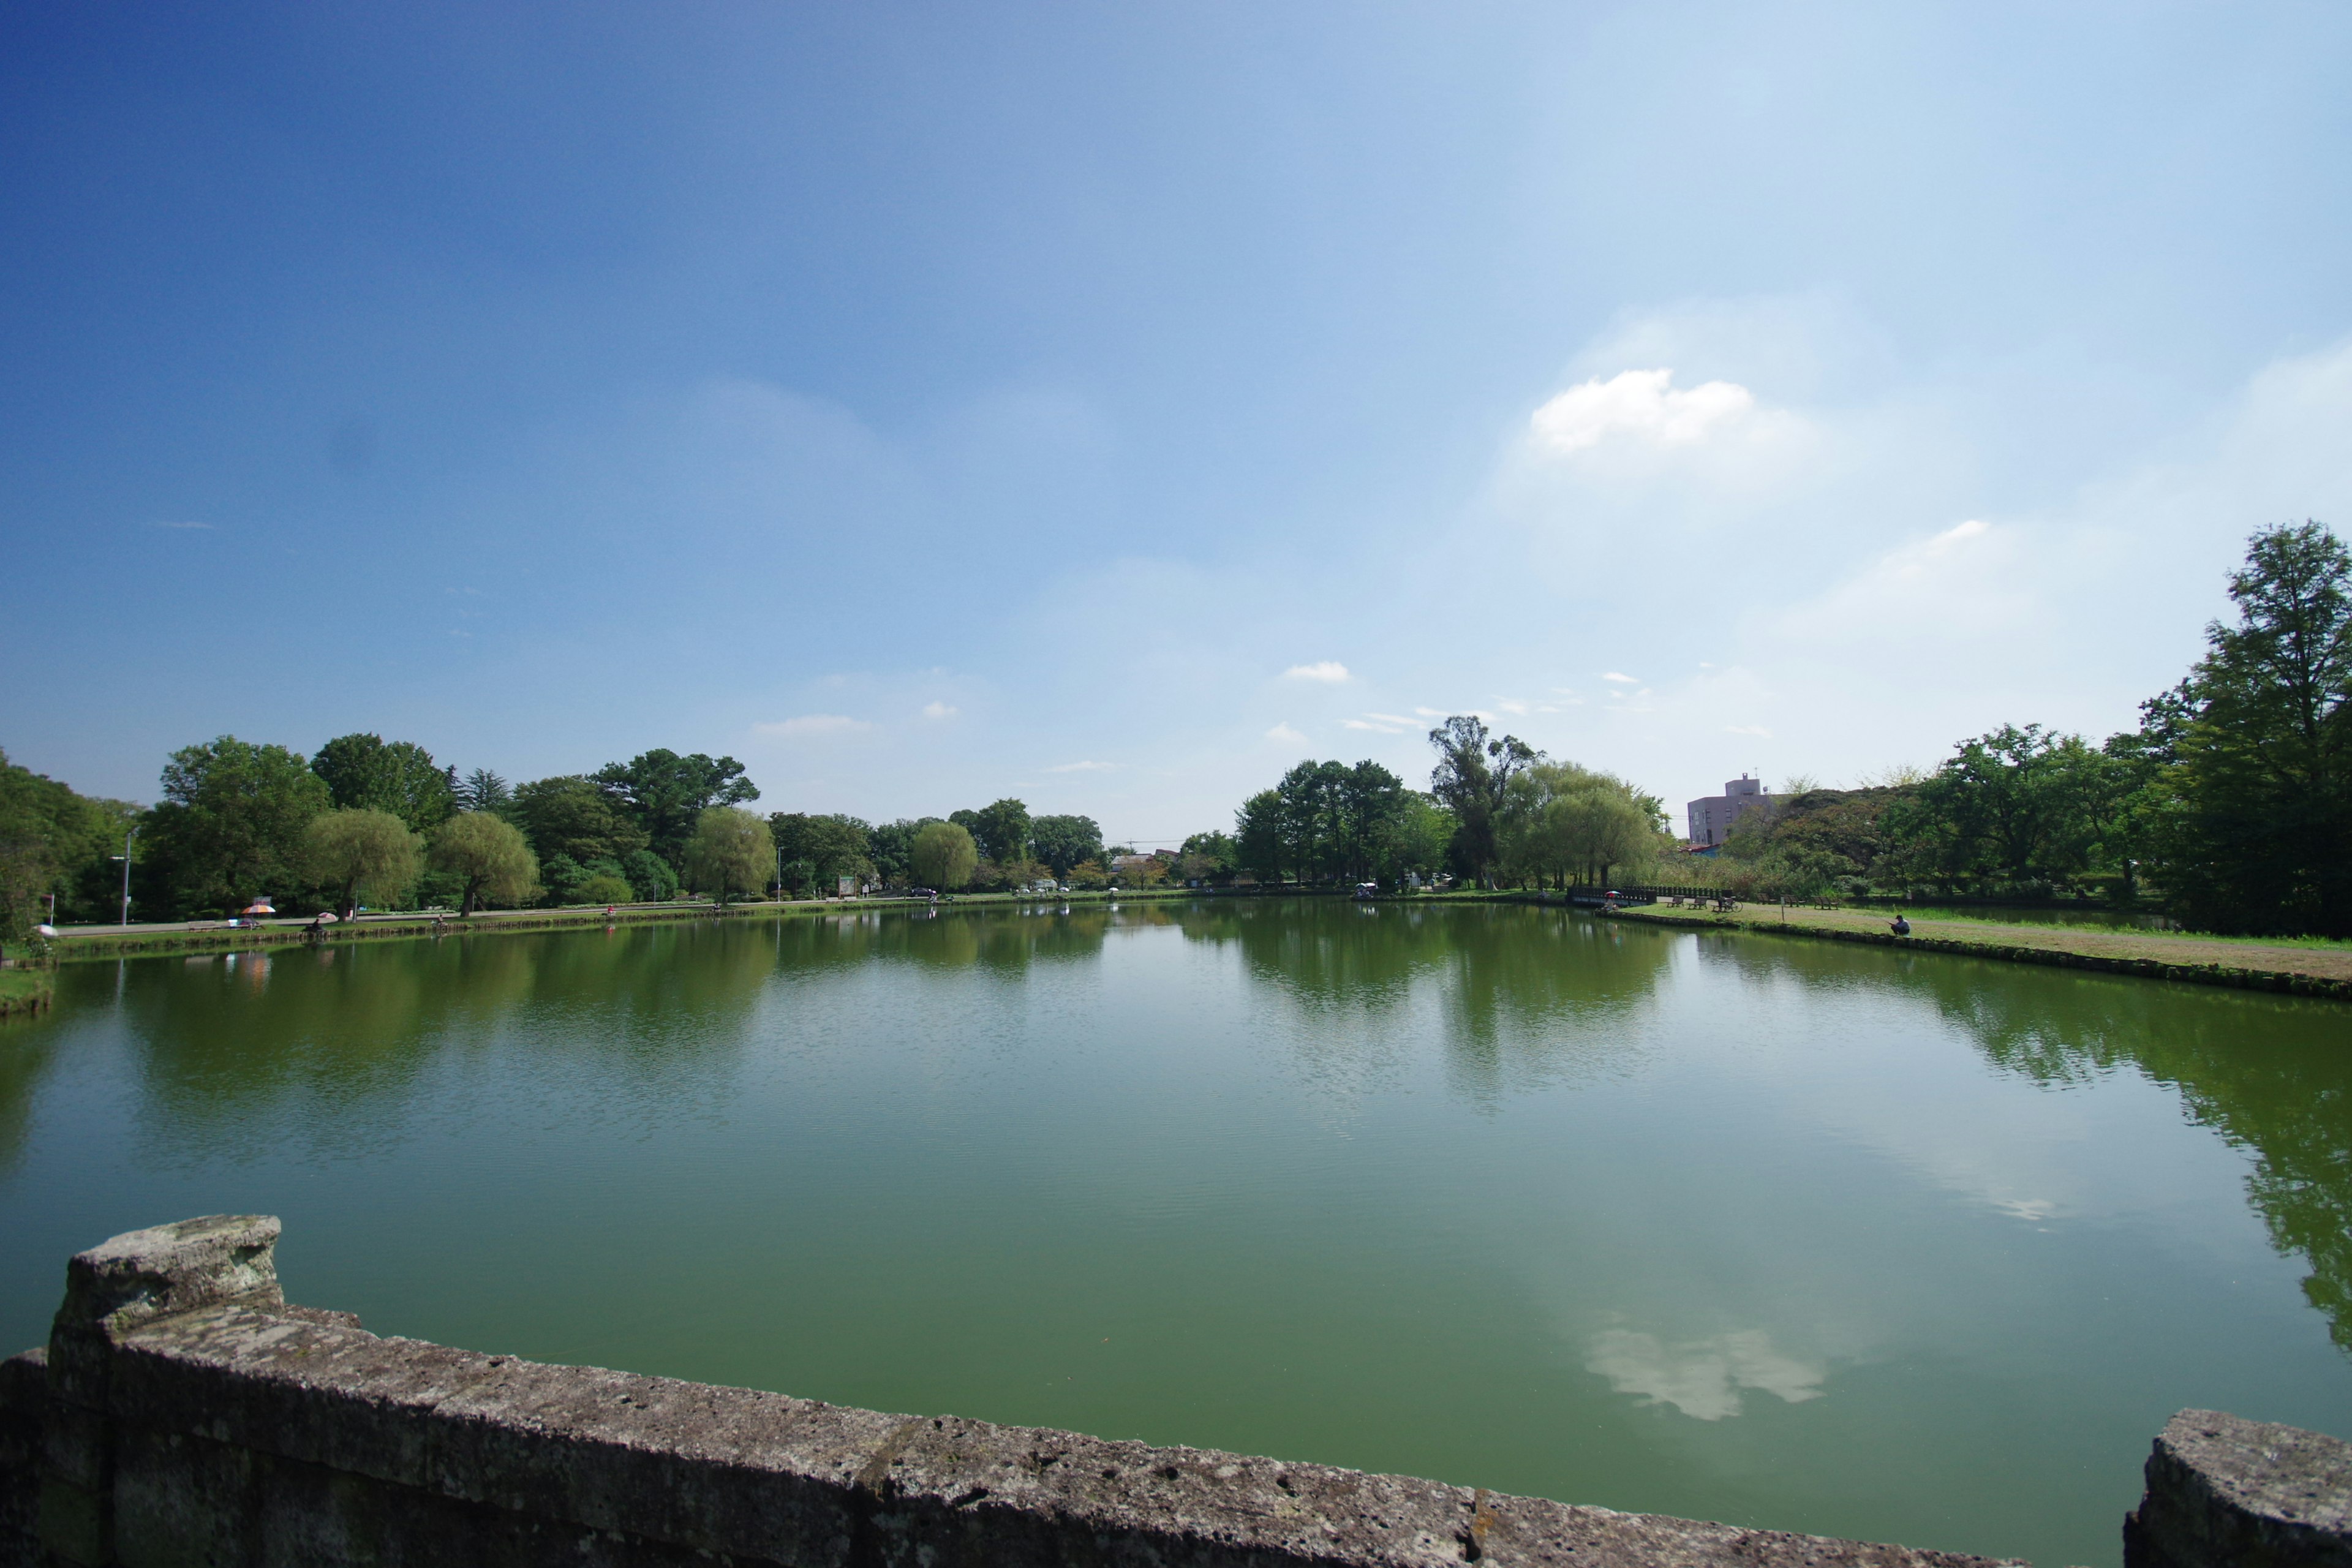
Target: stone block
(2249,1494)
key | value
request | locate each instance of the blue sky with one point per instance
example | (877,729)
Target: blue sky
(1112,406)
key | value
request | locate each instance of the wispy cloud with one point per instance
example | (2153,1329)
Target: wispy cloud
(939,710)
(181,524)
(1330,670)
(1638,406)
(1377,729)
(812,724)
(1082,768)
(1621,679)
(1285,734)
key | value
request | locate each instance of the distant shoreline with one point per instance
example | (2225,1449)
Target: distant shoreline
(2280,968)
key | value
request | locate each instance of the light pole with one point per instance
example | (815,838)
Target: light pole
(125,858)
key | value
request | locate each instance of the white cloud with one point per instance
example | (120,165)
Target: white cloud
(1082,768)
(1512,705)
(1701,1378)
(1641,406)
(813,724)
(939,710)
(1285,734)
(1329,669)
(1758,730)
(1393,719)
(1623,679)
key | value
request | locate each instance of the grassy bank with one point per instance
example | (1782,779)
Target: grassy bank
(24,991)
(2306,967)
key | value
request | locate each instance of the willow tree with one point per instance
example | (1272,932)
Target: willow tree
(360,852)
(731,851)
(489,854)
(943,854)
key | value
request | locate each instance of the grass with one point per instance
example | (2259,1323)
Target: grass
(23,990)
(2184,954)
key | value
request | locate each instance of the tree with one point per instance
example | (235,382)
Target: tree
(230,824)
(1258,835)
(649,876)
(943,854)
(1061,842)
(355,852)
(487,853)
(483,791)
(1472,773)
(820,850)
(890,846)
(731,851)
(1561,821)
(664,794)
(998,830)
(363,772)
(1208,857)
(2258,839)
(572,816)
(603,888)
(56,842)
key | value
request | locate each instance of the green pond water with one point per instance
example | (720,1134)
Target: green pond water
(1797,1235)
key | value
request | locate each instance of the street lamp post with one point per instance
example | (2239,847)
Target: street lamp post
(125,858)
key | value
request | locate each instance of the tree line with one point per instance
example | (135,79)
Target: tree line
(2229,807)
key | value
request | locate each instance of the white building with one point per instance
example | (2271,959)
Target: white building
(1711,818)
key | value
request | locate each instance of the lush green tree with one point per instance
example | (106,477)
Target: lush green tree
(1061,842)
(55,842)
(1208,857)
(1258,839)
(230,824)
(943,856)
(649,876)
(731,851)
(818,851)
(489,858)
(891,847)
(573,817)
(360,852)
(483,790)
(1000,830)
(1474,770)
(665,794)
(1561,822)
(2258,836)
(363,773)
(603,888)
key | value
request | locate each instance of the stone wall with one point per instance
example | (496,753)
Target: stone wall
(184,1412)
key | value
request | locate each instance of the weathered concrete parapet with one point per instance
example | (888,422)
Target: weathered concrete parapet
(112,1291)
(142,1274)
(2250,1493)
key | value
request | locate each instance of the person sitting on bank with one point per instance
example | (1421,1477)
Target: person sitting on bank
(1902,927)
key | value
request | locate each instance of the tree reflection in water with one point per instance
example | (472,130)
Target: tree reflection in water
(2271,1075)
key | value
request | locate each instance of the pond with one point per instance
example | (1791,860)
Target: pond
(1790,1234)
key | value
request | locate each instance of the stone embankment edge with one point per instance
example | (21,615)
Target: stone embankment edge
(2276,980)
(184,1412)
